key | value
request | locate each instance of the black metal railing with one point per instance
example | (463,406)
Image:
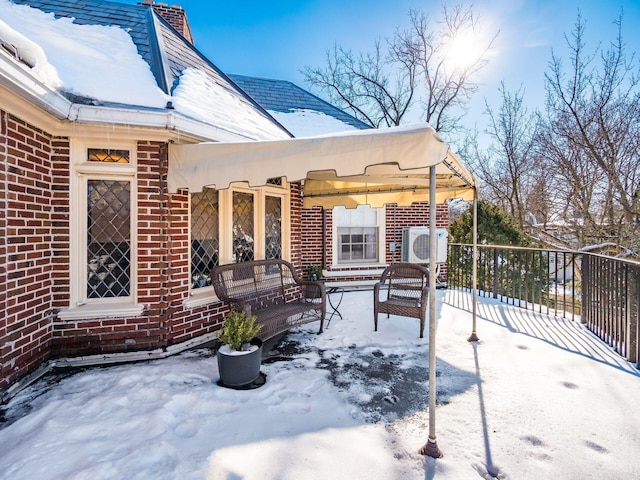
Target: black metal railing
(601,292)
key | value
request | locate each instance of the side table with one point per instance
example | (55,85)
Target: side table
(334,296)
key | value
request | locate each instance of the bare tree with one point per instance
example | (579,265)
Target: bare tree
(382,86)
(574,182)
(508,168)
(594,112)
(368,85)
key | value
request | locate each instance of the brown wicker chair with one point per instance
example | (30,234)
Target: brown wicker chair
(403,290)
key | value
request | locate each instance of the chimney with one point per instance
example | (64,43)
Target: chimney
(174,15)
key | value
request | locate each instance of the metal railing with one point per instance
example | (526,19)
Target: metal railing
(601,292)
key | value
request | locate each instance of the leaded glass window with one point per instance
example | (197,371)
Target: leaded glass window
(205,243)
(108,238)
(273,227)
(243,228)
(105,155)
(277,181)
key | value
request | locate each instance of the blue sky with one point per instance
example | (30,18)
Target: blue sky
(276,39)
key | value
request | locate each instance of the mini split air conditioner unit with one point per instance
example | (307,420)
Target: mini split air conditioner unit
(415,245)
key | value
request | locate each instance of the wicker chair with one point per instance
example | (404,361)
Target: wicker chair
(403,290)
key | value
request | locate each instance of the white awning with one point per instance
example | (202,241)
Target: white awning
(367,166)
(396,165)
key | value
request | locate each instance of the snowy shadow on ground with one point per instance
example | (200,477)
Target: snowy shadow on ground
(383,383)
(33,397)
(564,333)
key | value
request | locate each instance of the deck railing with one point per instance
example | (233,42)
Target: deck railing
(601,292)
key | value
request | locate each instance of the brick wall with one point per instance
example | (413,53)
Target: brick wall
(314,228)
(107,335)
(35,255)
(60,254)
(25,247)
(163,255)
(397,220)
(417,215)
(5,347)
(184,323)
(298,244)
(152,252)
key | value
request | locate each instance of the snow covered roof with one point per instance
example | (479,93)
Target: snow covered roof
(298,110)
(108,54)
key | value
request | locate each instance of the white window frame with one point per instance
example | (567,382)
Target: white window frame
(82,170)
(381,225)
(205,295)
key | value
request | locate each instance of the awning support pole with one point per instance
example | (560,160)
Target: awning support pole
(431,447)
(474,273)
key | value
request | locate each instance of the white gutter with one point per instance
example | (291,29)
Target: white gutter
(19,80)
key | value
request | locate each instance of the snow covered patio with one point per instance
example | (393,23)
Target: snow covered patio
(537,397)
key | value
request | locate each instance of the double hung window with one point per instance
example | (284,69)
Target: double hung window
(359,235)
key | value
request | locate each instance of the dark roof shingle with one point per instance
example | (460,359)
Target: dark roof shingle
(284,96)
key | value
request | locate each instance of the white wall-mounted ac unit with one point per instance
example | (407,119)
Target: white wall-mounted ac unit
(415,245)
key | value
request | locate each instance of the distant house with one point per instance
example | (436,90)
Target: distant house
(97,260)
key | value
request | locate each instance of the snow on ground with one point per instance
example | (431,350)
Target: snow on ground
(537,397)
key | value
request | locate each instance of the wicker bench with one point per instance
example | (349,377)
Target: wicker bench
(403,290)
(273,292)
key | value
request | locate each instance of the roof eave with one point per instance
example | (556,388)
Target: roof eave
(18,80)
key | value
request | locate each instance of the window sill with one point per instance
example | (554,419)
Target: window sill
(199,299)
(101,310)
(343,270)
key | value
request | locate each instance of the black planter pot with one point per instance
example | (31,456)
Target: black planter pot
(241,369)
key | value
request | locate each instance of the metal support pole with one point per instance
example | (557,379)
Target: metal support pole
(474,275)
(431,447)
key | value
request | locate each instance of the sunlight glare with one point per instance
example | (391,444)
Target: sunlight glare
(464,50)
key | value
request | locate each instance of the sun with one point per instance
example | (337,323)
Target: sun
(464,50)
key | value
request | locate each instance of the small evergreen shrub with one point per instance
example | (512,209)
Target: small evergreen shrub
(238,329)
(315,272)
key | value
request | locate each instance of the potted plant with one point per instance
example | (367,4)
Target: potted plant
(240,355)
(315,272)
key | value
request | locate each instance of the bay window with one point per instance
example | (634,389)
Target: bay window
(238,224)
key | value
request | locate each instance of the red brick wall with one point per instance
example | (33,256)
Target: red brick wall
(162,275)
(313,229)
(184,323)
(298,244)
(152,242)
(417,215)
(5,347)
(25,248)
(60,254)
(35,255)
(397,220)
